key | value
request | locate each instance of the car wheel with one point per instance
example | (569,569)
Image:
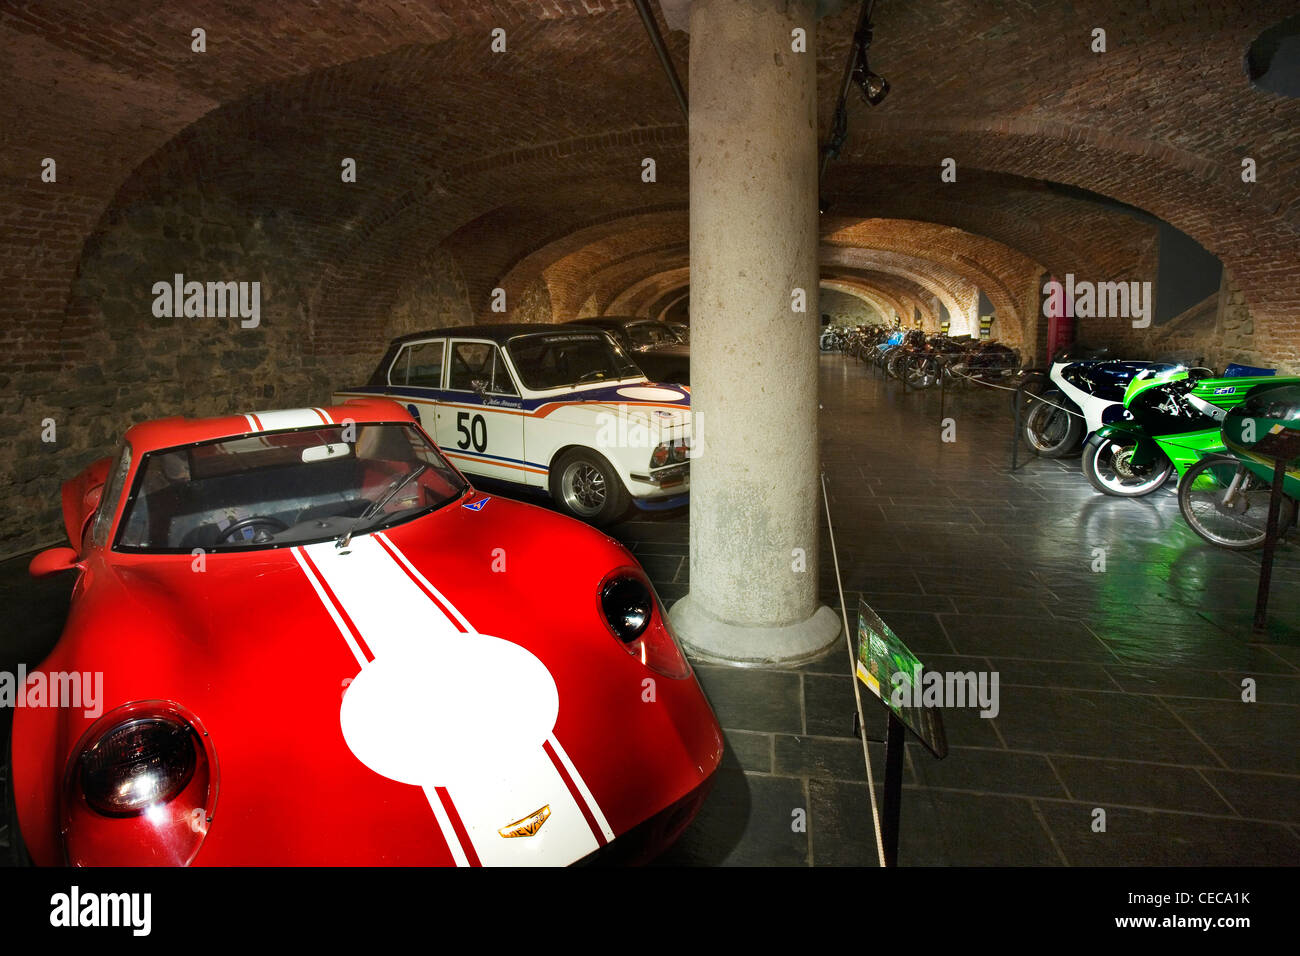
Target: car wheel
(583,484)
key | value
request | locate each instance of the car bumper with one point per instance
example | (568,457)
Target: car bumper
(652,488)
(648,839)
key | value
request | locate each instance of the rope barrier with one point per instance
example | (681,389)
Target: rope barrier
(857,692)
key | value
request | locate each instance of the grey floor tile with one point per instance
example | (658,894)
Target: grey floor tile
(747,698)
(1149,838)
(748,820)
(1124,783)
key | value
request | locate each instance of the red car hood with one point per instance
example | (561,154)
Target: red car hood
(403,700)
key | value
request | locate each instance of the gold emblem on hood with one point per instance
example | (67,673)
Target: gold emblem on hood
(528,826)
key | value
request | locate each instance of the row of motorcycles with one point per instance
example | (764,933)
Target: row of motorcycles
(1140,423)
(923,361)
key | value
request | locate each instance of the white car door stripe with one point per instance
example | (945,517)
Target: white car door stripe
(382,594)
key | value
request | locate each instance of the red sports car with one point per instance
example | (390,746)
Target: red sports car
(318,644)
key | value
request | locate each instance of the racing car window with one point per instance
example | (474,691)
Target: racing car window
(553,360)
(419,364)
(291,487)
(112,494)
(470,362)
(502,382)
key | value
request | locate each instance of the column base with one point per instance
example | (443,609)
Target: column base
(709,639)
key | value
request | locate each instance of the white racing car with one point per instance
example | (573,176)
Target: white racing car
(559,409)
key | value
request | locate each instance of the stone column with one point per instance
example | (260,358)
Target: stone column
(755,491)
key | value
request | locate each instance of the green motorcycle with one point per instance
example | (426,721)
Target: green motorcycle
(1224,497)
(1170,421)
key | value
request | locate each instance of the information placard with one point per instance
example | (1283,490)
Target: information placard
(891,672)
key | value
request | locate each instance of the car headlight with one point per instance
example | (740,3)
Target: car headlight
(634,616)
(138,764)
(140,788)
(671,452)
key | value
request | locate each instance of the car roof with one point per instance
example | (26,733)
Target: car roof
(606,321)
(177,430)
(494,333)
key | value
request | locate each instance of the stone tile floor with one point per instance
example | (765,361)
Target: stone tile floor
(1120,690)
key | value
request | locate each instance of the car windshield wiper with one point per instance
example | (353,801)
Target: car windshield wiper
(345,538)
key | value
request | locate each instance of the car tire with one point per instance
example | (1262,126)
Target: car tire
(584,485)
(15,854)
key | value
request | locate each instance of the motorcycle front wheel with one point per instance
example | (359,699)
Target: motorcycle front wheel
(1107,464)
(1050,429)
(1240,524)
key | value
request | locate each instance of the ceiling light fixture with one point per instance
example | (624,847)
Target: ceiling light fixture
(872,86)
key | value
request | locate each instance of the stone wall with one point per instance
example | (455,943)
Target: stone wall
(434,297)
(845,309)
(116,363)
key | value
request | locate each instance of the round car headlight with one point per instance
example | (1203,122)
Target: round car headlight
(627,605)
(634,616)
(139,788)
(138,764)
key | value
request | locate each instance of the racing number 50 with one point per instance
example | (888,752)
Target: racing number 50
(475,433)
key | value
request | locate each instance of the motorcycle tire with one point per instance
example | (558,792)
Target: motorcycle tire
(1205,483)
(1095,470)
(1053,430)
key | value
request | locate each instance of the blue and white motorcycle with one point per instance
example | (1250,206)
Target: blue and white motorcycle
(1083,394)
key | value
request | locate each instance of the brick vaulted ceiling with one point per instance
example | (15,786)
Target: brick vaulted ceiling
(522,169)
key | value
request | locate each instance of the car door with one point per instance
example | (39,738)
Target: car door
(480,414)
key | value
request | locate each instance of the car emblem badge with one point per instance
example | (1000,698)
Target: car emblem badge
(476,505)
(528,826)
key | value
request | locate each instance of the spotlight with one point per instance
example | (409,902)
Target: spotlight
(873,86)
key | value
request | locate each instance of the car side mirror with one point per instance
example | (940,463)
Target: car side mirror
(52,561)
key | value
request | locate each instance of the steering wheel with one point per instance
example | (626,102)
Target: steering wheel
(275,524)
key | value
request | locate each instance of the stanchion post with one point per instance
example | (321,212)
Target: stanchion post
(943,387)
(1270,545)
(892,804)
(1015,437)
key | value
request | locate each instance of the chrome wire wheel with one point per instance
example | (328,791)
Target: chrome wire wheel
(583,488)
(1227,505)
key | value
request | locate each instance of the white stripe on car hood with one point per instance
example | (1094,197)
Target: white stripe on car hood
(436,707)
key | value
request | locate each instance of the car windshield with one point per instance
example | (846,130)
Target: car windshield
(284,488)
(649,334)
(556,359)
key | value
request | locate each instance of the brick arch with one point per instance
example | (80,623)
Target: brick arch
(878,301)
(662,305)
(568,260)
(636,298)
(905,294)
